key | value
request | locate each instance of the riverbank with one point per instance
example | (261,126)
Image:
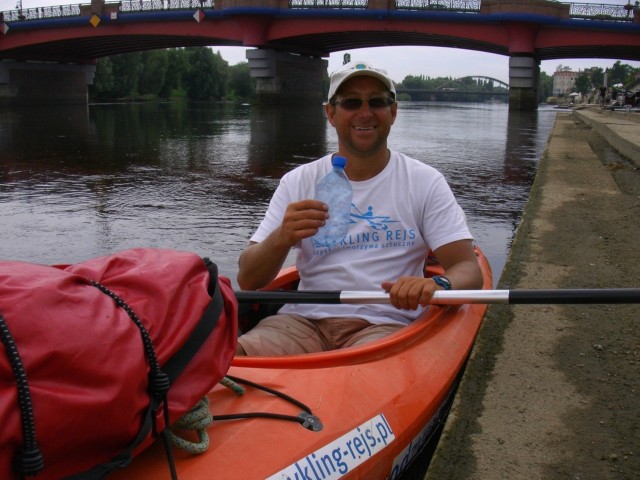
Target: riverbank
(551,391)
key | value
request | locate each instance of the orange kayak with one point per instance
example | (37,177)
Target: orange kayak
(363,412)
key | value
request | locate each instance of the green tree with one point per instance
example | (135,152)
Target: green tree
(620,73)
(583,82)
(412,81)
(545,87)
(126,72)
(177,67)
(102,87)
(597,76)
(240,82)
(206,77)
(154,68)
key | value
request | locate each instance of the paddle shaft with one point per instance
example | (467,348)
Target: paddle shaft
(451,297)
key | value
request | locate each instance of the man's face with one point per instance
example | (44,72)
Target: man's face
(363,130)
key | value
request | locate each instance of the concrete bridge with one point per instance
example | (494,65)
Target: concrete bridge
(292,37)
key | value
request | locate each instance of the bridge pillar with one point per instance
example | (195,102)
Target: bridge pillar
(524,68)
(284,78)
(524,73)
(31,83)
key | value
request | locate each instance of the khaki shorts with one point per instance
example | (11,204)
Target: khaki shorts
(293,334)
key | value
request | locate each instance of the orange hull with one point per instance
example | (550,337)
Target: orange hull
(378,405)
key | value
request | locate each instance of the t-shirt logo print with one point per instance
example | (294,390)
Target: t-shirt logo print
(376,222)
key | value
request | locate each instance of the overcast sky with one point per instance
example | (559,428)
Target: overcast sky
(409,60)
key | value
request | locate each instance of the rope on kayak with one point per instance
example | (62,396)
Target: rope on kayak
(198,419)
(231,385)
(307,419)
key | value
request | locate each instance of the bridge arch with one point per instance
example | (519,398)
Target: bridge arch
(457,90)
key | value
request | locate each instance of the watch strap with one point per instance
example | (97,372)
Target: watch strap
(444,282)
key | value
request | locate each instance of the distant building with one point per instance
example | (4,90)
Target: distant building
(564,80)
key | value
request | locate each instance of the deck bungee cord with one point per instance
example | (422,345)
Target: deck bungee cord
(306,418)
(199,418)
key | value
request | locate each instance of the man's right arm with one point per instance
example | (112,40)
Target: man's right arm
(260,262)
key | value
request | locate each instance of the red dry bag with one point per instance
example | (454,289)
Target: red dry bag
(99,357)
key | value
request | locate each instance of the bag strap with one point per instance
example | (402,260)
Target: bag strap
(28,460)
(173,368)
(177,363)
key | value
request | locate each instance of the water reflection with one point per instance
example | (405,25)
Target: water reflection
(526,139)
(79,182)
(284,138)
(44,139)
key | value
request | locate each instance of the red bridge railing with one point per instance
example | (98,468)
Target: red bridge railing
(586,11)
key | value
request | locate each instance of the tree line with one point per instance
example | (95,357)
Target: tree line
(196,73)
(199,73)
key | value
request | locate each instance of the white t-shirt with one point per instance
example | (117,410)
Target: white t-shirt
(396,217)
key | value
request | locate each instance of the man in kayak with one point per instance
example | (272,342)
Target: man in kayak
(410,210)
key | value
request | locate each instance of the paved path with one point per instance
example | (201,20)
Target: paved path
(553,392)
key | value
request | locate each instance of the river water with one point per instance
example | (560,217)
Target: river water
(79,182)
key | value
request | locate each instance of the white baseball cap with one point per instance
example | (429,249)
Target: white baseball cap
(359,68)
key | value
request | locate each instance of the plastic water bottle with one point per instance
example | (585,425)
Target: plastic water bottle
(335,190)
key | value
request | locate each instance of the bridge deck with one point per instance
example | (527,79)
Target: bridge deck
(79,34)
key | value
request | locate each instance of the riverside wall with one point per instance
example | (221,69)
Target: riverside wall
(551,391)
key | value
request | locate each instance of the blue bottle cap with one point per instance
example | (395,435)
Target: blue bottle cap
(338,161)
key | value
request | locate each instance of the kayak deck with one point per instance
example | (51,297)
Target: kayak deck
(378,404)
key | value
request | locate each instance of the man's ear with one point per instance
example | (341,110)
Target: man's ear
(330,111)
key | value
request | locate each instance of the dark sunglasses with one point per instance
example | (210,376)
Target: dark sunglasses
(375,103)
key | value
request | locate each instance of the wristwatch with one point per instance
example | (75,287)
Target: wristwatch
(444,282)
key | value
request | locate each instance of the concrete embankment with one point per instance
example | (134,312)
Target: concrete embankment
(619,128)
(552,391)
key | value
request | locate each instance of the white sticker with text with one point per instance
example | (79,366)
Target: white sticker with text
(343,455)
